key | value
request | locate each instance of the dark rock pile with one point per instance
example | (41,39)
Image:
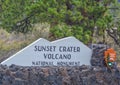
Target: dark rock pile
(83,75)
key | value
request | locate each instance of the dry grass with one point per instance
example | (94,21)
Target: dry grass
(41,30)
(10,43)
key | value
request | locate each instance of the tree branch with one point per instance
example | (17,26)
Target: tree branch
(115,35)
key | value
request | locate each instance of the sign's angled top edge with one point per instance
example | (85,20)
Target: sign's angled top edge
(23,49)
(71,37)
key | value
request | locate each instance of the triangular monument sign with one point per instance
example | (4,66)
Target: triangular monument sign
(68,51)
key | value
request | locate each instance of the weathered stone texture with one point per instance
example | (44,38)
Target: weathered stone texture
(82,75)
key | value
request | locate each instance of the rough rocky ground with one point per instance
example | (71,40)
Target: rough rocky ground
(82,75)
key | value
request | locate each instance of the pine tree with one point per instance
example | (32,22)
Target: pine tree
(66,17)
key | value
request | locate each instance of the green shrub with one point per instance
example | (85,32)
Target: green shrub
(63,30)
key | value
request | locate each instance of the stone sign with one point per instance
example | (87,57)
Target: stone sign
(63,52)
